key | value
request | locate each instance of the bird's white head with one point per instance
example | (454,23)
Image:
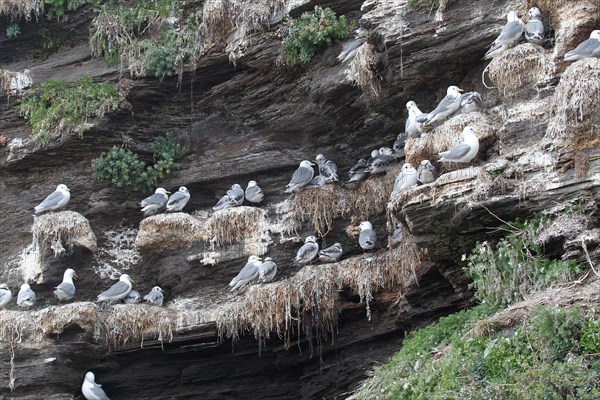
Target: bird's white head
(321,158)
(454,91)
(3,286)
(125,278)
(70,273)
(385,151)
(425,162)
(253,258)
(306,164)
(252,183)
(512,16)
(161,191)
(407,167)
(338,245)
(310,239)
(90,377)
(366,224)
(25,286)
(534,12)
(236,186)
(62,187)
(183,189)
(157,289)
(470,130)
(595,34)
(410,105)
(268,259)
(375,153)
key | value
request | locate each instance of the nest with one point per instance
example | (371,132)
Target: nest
(361,71)
(574,20)
(319,207)
(576,107)
(17,9)
(171,231)
(520,67)
(65,227)
(236,224)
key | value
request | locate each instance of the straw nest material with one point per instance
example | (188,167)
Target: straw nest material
(236,224)
(171,231)
(523,66)
(361,71)
(17,9)
(56,229)
(575,120)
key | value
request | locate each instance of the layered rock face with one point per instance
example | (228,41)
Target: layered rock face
(316,330)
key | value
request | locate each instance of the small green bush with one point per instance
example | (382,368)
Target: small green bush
(13,30)
(312,31)
(159,60)
(58,8)
(590,336)
(166,147)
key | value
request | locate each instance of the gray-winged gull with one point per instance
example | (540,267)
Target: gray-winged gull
(26,296)
(5,295)
(307,252)
(327,168)
(55,200)
(464,152)
(301,177)
(247,275)
(406,179)
(534,30)
(155,296)
(588,48)
(471,102)
(399,144)
(92,390)
(448,106)
(153,204)
(254,193)
(178,200)
(316,182)
(509,36)
(331,254)
(118,291)
(367,238)
(357,172)
(233,198)
(396,238)
(412,126)
(267,270)
(382,164)
(351,47)
(426,173)
(66,289)
(133,297)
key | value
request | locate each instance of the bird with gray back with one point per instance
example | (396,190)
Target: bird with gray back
(471,102)
(178,200)
(465,151)
(509,36)
(5,295)
(351,47)
(233,198)
(247,275)
(316,182)
(92,390)
(396,238)
(399,144)
(586,49)
(358,171)
(267,270)
(301,177)
(383,163)
(327,168)
(444,110)
(154,204)
(133,297)
(367,238)
(413,127)
(26,296)
(254,193)
(308,251)
(55,200)
(534,30)
(118,291)
(155,296)
(66,289)
(331,254)
(426,173)
(406,179)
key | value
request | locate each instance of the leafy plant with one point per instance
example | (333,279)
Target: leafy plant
(159,60)
(515,267)
(49,45)
(13,30)
(312,31)
(58,8)
(166,147)
(56,107)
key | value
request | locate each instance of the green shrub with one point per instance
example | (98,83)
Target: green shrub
(590,336)
(159,60)
(312,31)
(58,8)
(55,107)
(515,267)
(13,30)
(166,147)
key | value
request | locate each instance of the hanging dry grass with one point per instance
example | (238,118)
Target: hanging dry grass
(65,227)
(319,207)
(373,195)
(235,224)
(575,120)
(17,9)
(171,231)
(520,67)
(361,71)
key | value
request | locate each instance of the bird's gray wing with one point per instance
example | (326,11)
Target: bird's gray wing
(99,393)
(156,198)
(67,288)
(25,295)
(253,191)
(457,152)
(236,196)
(400,179)
(249,271)
(176,198)
(307,250)
(368,236)
(444,105)
(510,33)
(301,175)
(585,48)
(52,200)
(115,290)
(358,167)
(349,46)
(223,203)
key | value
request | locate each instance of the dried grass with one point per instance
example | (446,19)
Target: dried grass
(171,231)
(233,225)
(361,71)
(17,9)
(319,207)
(56,229)
(522,66)
(576,107)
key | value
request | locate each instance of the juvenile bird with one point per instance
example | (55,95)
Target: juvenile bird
(66,289)
(92,390)
(351,47)
(426,173)
(327,168)
(5,295)
(534,30)
(254,193)
(55,200)
(133,297)
(509,36)
(308,251)
(26,296)
(399,145)
(267,270)
(331,254)
(178,200)
(155,296)
(367,238)
(358,171)
(118,291)
(233,198)
(471,102)
(153,204)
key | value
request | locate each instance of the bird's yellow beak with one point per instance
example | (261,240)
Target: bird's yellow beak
(75,276)
(312,164)
(460,90)
(167,192)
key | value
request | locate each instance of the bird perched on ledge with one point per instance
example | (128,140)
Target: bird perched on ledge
(586,49)
(509,36)
(66,289)
(178,200)
(55,200)
(464,152)
(153,204)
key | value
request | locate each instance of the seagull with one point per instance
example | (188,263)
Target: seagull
(327,168)
(358,171)
(308,251)
(178,200)
(155,296)
(5,295)
(153,204)
(118,291)
(471,102)
(412,126)
(448,106)
(534,30)
(233,198)
(316,182)
(464,152)
(26,296)
(133,297)
(267,270)
(55,200)
(406,179)
(588,48)
(426,173)
(92,390)
(382,164)
(66,290)
(301,177)
(509,36)
(352,46)
(396,238)
(331,254)
(399,144)
(367,237)
(254,193)
(247,275)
